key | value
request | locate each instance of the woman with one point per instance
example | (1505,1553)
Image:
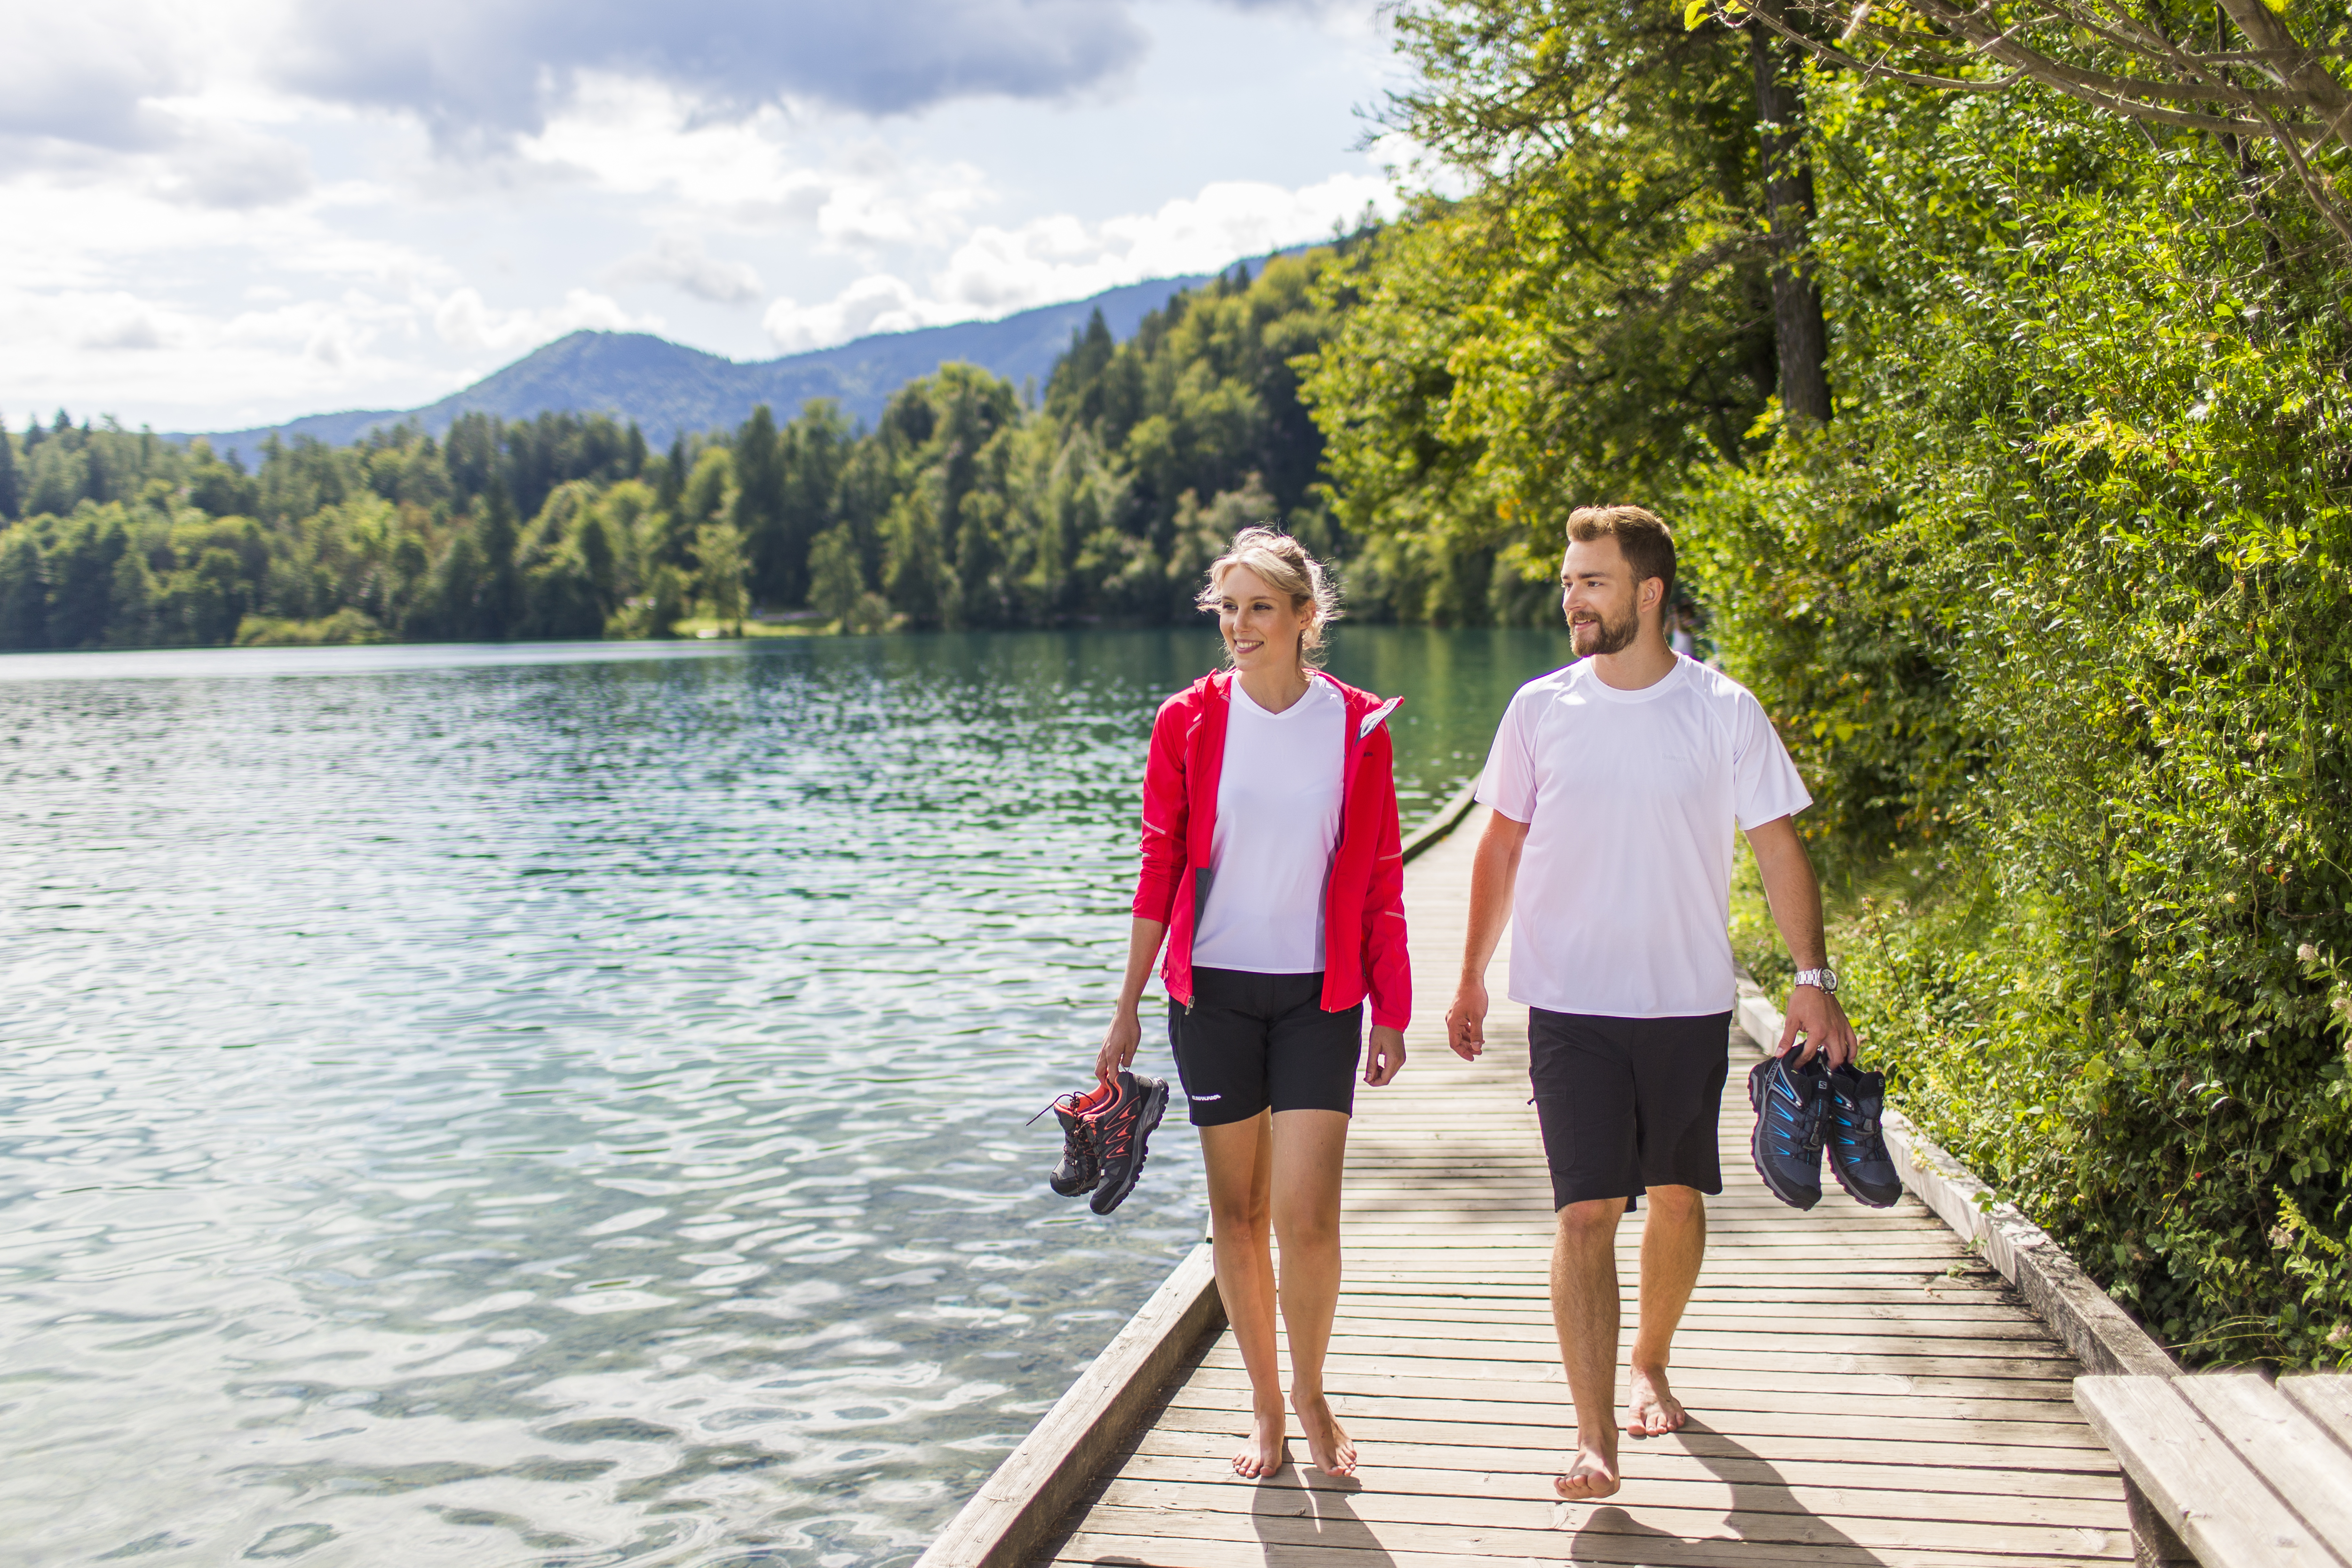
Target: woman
(1272,864)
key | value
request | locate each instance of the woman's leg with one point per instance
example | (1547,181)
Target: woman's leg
(1239,1158)
(1310,1147)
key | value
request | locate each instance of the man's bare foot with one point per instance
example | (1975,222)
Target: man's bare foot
(1329,1447)
(1651,1408)
(1264,1452)
(1591,1476)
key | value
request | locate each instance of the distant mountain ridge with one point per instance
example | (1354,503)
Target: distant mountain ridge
(669,388)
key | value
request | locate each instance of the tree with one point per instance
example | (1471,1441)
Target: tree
(758,509)
(722,571)
(23,596)
(2252,78)
(11,494)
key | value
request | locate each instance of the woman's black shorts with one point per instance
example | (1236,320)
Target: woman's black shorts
(1254,1041)
(1628,1103)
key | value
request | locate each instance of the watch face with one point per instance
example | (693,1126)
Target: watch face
(1829,980)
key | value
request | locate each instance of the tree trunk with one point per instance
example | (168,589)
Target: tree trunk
(1798,330)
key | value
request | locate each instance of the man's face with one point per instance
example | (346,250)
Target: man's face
(1601,600)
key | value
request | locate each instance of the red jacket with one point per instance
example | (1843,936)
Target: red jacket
(1363,902)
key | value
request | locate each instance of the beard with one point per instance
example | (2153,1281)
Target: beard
(1601,635)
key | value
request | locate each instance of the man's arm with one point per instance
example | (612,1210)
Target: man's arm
(1795,895)
(1493,872)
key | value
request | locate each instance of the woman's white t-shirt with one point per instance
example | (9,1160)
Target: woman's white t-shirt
(1631,799)
(1278,822)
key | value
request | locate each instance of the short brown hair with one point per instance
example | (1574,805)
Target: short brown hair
(1647,543)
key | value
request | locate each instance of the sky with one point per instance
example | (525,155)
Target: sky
(228,212)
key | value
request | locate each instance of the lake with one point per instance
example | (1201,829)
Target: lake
(567,1104)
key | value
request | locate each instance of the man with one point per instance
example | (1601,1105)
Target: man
(1616,784)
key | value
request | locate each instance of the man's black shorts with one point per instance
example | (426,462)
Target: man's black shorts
(1628,1103)
(1253,1041)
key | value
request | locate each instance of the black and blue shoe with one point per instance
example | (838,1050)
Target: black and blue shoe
(1857,1149)
(1792,1114)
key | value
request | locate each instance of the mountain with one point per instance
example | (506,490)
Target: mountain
(667,388)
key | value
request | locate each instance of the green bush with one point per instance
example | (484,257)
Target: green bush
(2062,614)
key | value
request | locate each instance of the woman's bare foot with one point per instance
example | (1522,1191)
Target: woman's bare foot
(1591,1476)
(1651,1408)
(1264,1452)
(1329,1447)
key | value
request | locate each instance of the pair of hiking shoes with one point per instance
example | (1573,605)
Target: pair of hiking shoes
(1806,1111)
(1102,1134)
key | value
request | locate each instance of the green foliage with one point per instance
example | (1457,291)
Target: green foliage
(2065,610)
(1590,323)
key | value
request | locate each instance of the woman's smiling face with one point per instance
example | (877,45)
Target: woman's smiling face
(1261,626)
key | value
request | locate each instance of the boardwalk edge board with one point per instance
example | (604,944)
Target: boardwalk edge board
(1025,1497)
(2102,1335)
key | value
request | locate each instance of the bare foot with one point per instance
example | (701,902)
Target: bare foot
(1264,1452)
(1329,1447)
(1651,1408)
(1591,1476)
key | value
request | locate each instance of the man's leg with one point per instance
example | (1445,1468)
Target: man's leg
(1673,1243)
(1584,1314)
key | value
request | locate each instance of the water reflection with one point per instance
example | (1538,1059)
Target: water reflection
(536,1105)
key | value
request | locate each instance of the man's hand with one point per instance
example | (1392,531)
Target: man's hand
(1119,1041)
(1386,1058)
(1466,1021)
(1814,1014)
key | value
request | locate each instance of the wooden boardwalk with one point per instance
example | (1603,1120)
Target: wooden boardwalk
(1863,1389)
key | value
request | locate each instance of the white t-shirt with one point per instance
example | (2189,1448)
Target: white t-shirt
(1278,822)
(1624,900)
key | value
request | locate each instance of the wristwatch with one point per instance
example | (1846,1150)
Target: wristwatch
(1822,979)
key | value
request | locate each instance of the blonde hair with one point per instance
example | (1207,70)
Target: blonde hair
(1284,566)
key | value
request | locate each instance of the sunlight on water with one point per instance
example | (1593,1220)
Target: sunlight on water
(565,1105)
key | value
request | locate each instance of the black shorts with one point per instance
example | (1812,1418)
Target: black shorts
(1254,1041)
(1628,1103)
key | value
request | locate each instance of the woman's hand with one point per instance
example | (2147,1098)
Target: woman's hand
(1386,1058)
(1119,1041)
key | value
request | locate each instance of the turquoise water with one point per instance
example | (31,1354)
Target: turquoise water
(566,1104)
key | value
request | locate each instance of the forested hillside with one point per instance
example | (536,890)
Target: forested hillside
(960,508)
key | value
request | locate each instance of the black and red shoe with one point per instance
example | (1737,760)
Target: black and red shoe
(1119,1132)
(1081,1165)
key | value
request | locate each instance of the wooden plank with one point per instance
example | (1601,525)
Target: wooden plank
(2292,1453)
(1339,1547)
(2327,1398)
(1757,1488)
(2193,1480)
(1534,1527)
(1974,1469)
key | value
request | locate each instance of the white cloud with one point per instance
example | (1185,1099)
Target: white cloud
(997,271)
(462,320)
(683,264)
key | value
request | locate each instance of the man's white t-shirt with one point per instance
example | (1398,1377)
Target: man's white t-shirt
(1624,901)
(1278,822)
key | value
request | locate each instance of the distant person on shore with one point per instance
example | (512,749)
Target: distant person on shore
(1272,866)
(1616,784)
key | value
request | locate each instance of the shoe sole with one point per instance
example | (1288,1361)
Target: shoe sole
(1079,1191)
(1146,1121)
(1801,1198)
(1858,1195)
